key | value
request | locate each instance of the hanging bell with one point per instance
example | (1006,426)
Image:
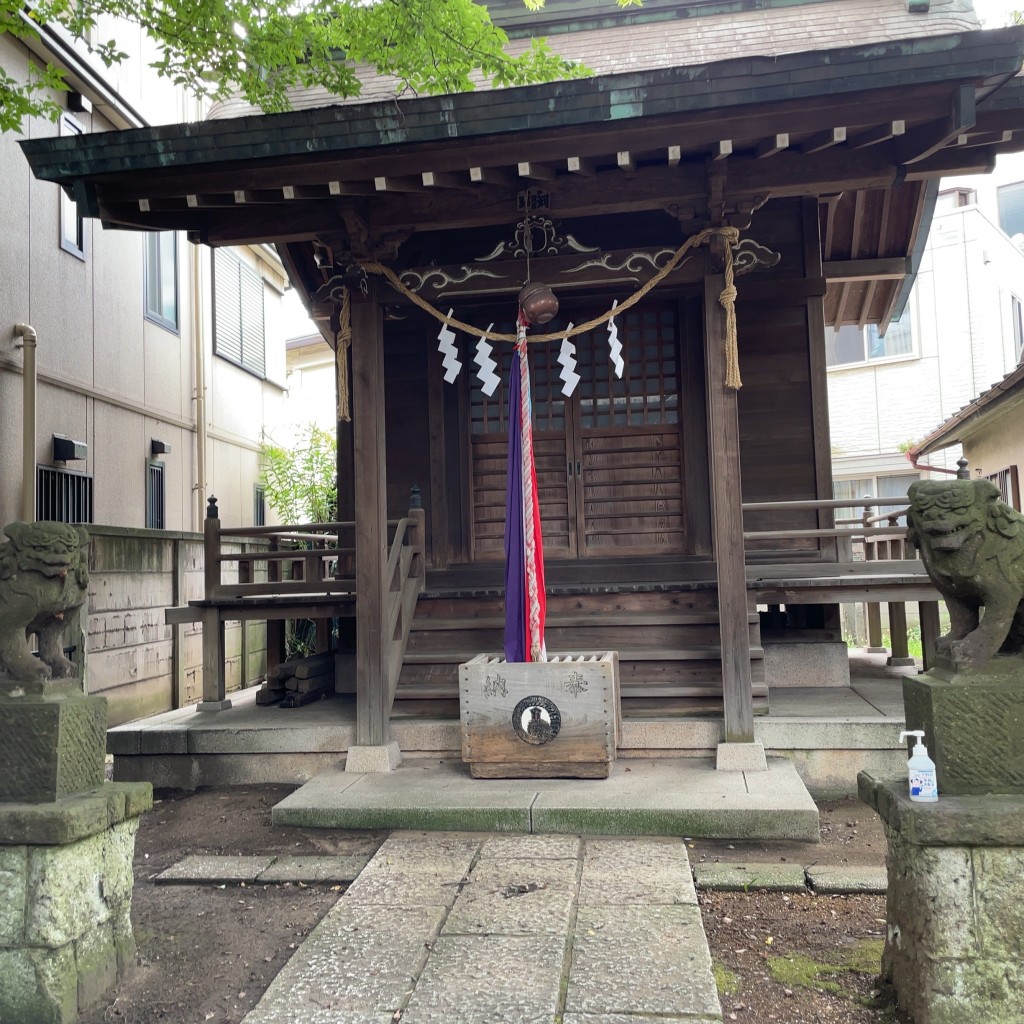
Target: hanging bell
(538,302)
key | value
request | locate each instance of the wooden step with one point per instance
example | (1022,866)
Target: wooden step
(709,652)
(563,620)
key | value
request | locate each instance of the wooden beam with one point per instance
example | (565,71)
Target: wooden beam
(492,176)
(823,140)
(534,171)
(372,708)
(893,268)
(727,523)
(444,179)
(722,149)
(769,147)
(580,165)
(922,142)
(673,155)
(880,133)
(624,160)
(388,183)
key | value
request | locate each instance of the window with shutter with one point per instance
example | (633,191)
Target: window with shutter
(238,325)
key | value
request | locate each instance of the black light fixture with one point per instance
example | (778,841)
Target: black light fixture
(65,449)
(159,447)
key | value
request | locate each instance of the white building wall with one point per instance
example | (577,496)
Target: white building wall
(963,334)
(107,375)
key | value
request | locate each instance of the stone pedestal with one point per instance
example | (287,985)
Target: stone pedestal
(51,748)
(65,901)
(954,948)
(973,725)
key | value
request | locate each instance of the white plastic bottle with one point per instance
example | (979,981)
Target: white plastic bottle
(921,769)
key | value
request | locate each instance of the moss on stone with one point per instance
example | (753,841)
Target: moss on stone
(799,971)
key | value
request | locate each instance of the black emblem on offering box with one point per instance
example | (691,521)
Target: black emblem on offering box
(536,720)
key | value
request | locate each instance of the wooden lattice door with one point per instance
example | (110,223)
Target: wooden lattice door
(609,465)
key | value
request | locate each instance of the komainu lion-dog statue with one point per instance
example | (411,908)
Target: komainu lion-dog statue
(972,546)
(43,580)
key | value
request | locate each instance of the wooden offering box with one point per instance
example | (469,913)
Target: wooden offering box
(531,720)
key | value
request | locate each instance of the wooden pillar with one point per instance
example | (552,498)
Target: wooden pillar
(898,635)
(928,612)
(369,476)
(727,522)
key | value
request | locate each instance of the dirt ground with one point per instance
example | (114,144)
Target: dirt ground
(206,954)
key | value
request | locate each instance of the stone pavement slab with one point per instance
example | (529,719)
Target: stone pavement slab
(741,877)
(847,878)
(641,959)
(557,847)
(200,869)
(639,871)
(684,796)
(314,869)
(493,978)
(446,935)
(631,1018)
(361,960)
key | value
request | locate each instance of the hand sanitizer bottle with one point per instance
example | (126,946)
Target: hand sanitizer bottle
(921,768)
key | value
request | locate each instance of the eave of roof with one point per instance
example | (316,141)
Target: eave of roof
(986,407)
(605,100)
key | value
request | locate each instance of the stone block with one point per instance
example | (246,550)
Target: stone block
(636,871)
(64,892)
(642,960)
(39,986)
(13,873)
(75,817)
(930,899)
(212,870)
(806,664)
(51,749)
(741,757)
(847,878)
(745,877)
(95,965)
(384,758)
(997,875)
(314,869)
(974,729)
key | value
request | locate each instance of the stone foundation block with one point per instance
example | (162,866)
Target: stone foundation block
(806,664)
(974,729)
(65,917)
(954,948)
(50,749)
(40,986)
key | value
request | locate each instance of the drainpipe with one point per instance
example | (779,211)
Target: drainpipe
(913,458)
(199,368)
(27,334)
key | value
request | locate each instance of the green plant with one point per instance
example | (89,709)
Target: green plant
(300,482)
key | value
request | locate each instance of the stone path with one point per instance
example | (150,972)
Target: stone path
(445,928)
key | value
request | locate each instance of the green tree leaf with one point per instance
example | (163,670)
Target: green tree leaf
(217,48)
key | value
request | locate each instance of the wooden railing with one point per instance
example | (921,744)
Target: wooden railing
(308,564)
(881,543)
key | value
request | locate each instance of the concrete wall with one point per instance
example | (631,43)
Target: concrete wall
(963,336)
(132,657)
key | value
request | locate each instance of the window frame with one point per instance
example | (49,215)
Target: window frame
(71,242)
(259,505)
(153,275)
(231,300)
(1011,494)
(1017,323)
(868,360)
(57,486)
(1015,188)
(156,514)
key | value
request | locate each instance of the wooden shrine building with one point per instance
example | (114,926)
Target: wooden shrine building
(819,130)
